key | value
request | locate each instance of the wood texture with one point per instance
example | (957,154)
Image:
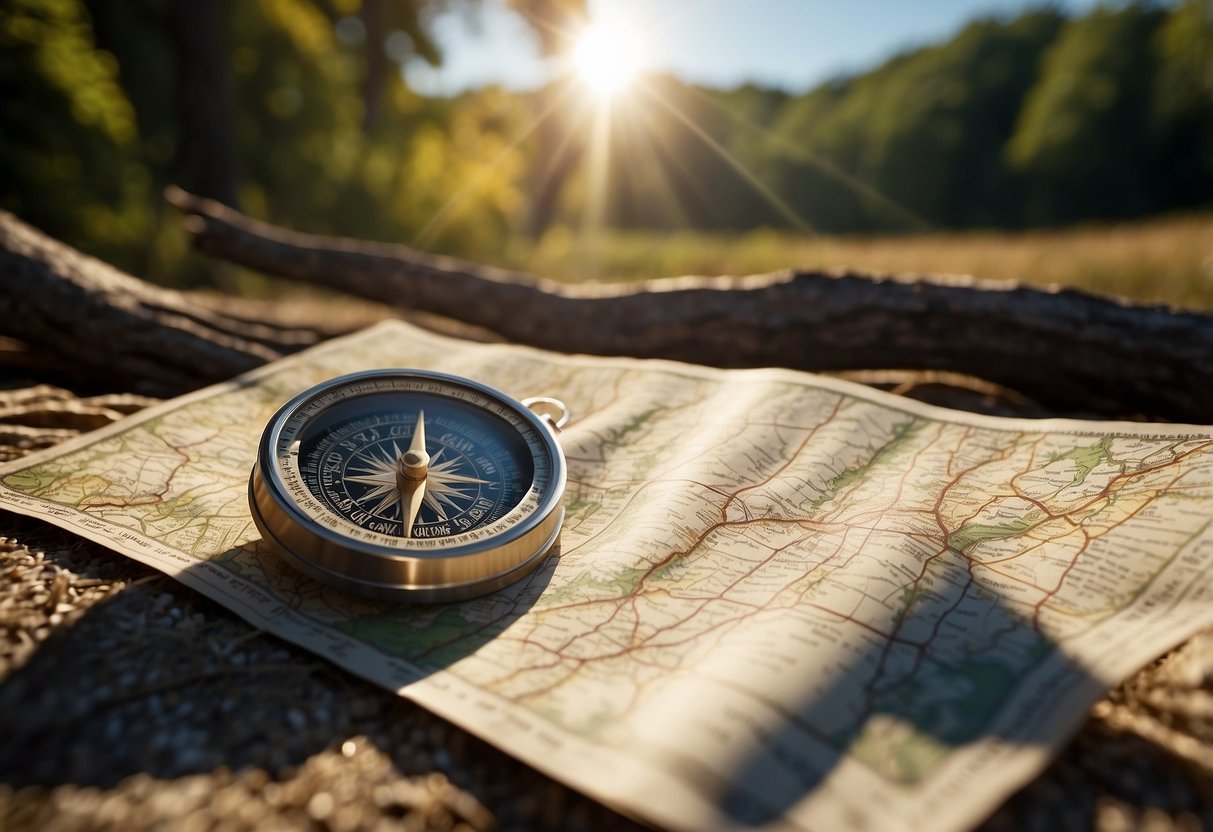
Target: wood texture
(1071,352)
(98,322)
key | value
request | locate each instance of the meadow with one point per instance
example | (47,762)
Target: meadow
(1164,260)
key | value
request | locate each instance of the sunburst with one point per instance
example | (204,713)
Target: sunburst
(442,481)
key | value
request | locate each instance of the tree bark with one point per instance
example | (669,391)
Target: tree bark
(1067,352)
(1072,352)
(124,333)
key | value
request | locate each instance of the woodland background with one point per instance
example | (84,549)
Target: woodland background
(296,112)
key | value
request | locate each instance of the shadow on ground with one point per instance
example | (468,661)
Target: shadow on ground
(159,691)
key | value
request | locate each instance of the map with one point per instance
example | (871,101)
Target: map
(779,600)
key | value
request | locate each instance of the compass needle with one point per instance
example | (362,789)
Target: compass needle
(411,469)
(349,488)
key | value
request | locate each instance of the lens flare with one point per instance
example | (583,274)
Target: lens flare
(605,59)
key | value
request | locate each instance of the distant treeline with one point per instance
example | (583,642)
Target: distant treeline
(296,111)
(1024,122)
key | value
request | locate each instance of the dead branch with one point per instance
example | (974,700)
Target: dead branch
(98,321)
(1068,350)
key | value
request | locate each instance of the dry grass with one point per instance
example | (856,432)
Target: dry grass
(1168,260)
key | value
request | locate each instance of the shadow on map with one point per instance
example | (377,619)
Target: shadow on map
(390,643)
(899,706)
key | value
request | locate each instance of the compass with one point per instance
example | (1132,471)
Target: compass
(411,485)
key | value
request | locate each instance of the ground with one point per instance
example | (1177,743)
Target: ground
(128,701)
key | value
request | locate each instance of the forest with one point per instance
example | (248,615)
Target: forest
(297,112)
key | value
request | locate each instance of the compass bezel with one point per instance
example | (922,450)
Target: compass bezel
(333,549)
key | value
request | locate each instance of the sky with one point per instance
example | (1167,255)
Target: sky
(792,44)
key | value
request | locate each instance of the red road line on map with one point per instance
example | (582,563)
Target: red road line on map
(168,480)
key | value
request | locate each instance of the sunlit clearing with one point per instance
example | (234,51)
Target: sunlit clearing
(605,58)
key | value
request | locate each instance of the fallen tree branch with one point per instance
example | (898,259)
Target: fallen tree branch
(100,322)
(1068,350)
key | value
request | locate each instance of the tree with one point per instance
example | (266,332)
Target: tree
(1084,131)
(69,147)
(1181,114)
(295,109)
(926,130)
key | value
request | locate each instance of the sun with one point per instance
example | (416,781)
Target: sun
(605,58)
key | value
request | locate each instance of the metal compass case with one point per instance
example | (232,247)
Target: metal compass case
(411,485)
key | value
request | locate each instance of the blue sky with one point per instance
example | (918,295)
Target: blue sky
(793,44)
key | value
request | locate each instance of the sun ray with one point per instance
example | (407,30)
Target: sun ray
(561,154)
(676,173)
(641,141)
(546,23)
(444,215)
(598,165)
(753,181)
(795,151)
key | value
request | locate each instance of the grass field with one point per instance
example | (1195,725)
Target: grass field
(1168,260)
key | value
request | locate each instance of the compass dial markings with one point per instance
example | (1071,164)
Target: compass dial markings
(478,475)
(442,483)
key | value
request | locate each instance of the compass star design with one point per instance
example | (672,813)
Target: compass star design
(441,483)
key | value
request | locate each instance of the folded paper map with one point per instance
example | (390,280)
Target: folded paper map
(779,600)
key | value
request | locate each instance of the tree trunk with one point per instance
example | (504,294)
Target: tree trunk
(206,151)
(1072,352)
(93,320)
(376,63)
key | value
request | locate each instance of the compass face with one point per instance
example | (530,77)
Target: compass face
(408,484)
(480,466)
